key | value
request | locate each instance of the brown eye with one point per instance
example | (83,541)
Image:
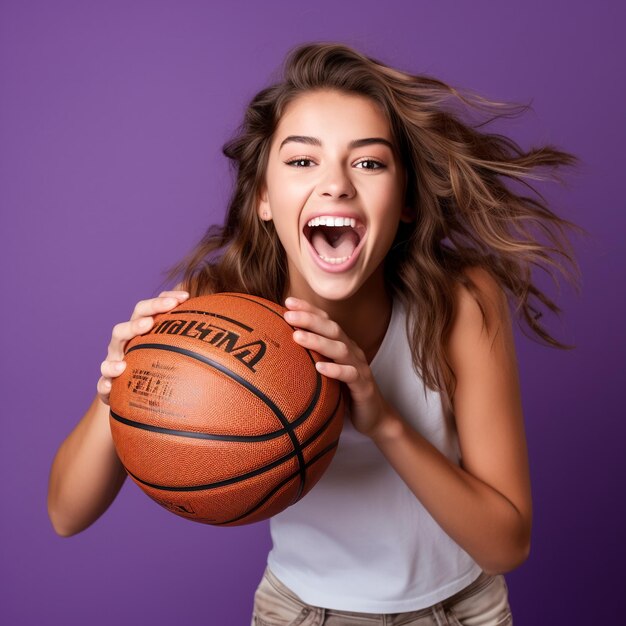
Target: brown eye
(378,164)
(300,160)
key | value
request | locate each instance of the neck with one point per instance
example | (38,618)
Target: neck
(364,316)
(364,319)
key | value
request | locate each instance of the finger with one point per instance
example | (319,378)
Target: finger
(345,373)
(333,349)
(123,333)
(315,323)
(112,369)
(302,305)
(144,308)
(104,389)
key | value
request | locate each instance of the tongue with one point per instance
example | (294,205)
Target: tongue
(334,242)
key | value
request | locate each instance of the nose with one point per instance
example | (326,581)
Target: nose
(335,182)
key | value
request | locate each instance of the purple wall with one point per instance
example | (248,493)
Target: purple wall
(112,116)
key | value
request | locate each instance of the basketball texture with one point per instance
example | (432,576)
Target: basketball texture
(220,416)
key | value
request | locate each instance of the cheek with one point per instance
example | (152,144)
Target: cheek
(387,222)
(286,196)
(286,226)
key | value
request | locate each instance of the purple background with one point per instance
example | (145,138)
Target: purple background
(112,118)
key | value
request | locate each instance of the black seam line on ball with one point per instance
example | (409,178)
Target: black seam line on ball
(277,314)
(308,352)
(212,436)
(244,383)
(316,458)
(209,313)
(197,435)
(241,477)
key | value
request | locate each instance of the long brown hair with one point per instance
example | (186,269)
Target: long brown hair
(465,213)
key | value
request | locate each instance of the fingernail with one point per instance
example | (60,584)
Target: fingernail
(291,301)
(170,301)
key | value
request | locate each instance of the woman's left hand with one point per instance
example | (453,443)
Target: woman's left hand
(368,408)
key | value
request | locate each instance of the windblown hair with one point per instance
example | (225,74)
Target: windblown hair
(466,215)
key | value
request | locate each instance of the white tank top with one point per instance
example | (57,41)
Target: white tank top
(360,540)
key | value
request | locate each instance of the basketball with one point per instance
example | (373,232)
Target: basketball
(220,416)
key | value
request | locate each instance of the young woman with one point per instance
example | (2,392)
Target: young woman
(379,216)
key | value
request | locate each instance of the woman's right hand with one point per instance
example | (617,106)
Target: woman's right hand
(141,322)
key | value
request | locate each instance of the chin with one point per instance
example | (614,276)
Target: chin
(334,293)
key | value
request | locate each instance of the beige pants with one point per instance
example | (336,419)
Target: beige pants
(483,602)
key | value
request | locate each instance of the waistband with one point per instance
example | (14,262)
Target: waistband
(482,581)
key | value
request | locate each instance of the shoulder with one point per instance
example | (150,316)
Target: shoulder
(480,339)
(481,353)
(483,279)
(480,308)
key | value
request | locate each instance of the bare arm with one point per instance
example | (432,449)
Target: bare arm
(86,473)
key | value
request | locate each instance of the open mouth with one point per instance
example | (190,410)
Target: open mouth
(335,239)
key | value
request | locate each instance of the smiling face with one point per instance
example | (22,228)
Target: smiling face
(335,189)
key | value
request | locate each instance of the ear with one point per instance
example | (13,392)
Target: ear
(263,206)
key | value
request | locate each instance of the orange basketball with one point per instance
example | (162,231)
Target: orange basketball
(220,416)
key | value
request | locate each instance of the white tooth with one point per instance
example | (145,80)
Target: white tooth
(334,261)
(329,220)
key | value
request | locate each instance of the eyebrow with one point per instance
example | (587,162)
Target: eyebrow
(355,143)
